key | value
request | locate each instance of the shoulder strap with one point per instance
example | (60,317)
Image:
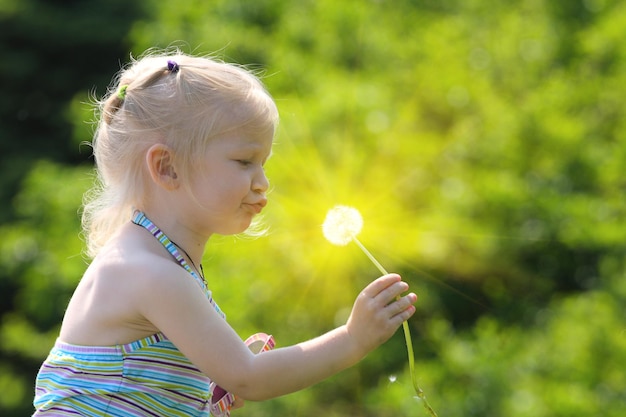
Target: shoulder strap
(139,218)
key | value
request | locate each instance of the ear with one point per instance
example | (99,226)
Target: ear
(160,162)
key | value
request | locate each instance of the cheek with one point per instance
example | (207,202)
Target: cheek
(225,190)
(220,183)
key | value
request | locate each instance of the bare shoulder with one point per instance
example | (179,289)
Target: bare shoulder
(156,286)
(116,297)
(143,268)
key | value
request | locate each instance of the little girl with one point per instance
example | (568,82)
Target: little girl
(180,151)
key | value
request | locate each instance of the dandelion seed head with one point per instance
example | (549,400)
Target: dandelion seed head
(342,224)
(392,378)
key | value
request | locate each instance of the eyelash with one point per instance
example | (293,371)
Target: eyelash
(249,162)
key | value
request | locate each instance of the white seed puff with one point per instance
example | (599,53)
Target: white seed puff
(342,225)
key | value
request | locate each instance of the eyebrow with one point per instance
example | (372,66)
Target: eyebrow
(257,148)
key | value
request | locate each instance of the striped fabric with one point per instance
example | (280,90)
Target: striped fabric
(147,377)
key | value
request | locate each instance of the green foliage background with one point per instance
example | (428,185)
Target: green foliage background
(483,142)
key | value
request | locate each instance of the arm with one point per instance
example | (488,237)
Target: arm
(376,315)
(182,313)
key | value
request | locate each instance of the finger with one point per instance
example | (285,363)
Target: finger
(238,403)
(380,284)
(401,304)
(392,292)
(404,315)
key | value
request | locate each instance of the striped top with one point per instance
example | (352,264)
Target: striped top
(147,377)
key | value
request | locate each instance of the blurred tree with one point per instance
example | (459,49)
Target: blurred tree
(51,50)
(484,145)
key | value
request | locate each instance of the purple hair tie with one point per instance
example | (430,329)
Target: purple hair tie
(172,66)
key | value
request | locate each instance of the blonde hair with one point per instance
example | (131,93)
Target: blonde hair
(176,99)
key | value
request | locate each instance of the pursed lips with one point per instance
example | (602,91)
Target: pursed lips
(257,207)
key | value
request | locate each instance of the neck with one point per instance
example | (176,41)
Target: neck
(190,243)
(197,266)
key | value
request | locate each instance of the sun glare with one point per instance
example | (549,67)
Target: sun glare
(342,225)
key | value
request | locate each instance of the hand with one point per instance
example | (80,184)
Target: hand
(239,402)
(379,310)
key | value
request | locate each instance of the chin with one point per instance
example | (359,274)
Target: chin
(235,230)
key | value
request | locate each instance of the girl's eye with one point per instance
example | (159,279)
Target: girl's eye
(244,162)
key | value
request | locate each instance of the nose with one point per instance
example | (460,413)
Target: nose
(260,183)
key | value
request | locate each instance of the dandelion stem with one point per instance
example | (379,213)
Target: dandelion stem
(407,337)
(369,255)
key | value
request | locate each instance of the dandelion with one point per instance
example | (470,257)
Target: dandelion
(341,226)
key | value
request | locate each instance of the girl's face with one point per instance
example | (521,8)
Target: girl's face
(229,188)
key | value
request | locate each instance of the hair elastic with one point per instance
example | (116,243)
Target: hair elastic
(121,93)
(172,66)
